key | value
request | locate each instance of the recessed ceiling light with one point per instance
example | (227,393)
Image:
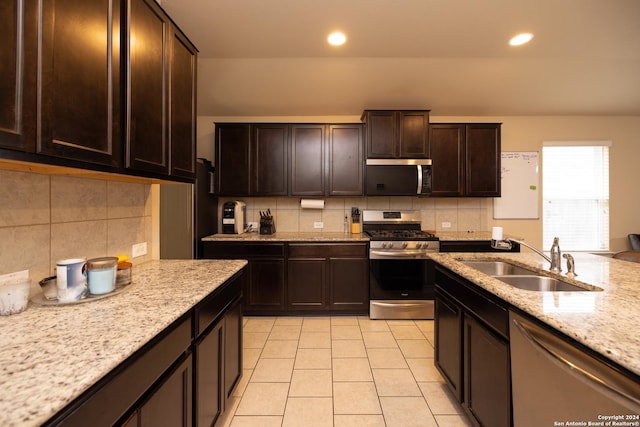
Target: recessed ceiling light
(337,38)
(521,39)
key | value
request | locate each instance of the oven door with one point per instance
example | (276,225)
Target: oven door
(398,278)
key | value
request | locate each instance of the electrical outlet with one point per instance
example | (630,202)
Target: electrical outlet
(446,225)
(318,224)
(139,250)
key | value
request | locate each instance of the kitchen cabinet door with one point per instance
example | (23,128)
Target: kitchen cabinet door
(232,348)
(413,133)
(268,160)
(348,283)
(448,342)
(345,160)
(18,45)
(209,376)
(466,159)
(487,378)
(397,134)
(182,111)
(232,159)
(482,160)
(80,81)
(446,149)
(147,88)
(307,160)
(382,136)
(306,289)
(171,404)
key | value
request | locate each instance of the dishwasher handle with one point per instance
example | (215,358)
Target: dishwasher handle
(587,374)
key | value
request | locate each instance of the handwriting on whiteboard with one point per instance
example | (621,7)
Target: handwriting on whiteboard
(530,157)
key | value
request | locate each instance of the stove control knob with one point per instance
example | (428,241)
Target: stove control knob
(390,245)
(384,245)
(418,245)
(404,245)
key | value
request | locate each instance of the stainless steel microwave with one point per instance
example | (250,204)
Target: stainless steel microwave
(398,177)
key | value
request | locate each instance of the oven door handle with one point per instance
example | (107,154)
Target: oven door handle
(403,254)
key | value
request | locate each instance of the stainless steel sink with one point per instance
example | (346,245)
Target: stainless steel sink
(498,268)
(543,284)
(525,279)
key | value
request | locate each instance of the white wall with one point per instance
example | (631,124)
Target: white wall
(526,133)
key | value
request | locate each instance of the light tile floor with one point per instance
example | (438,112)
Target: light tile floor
(340,371)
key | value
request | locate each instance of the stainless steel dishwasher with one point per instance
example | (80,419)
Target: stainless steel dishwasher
(555,383)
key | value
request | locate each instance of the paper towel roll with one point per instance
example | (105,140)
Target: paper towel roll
(311,204)
(496,233)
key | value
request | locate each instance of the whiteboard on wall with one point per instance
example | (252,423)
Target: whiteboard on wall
(520,186)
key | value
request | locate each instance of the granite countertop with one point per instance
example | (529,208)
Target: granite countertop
(332,237)
(287,237)
(51,355)
(605,321)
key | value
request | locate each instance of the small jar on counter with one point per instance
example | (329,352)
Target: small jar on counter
(123,274)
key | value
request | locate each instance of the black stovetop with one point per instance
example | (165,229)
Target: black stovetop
(400,234)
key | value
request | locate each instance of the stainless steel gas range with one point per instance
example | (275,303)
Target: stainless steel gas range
(401,276)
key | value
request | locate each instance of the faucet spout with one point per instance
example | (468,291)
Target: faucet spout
(536,250)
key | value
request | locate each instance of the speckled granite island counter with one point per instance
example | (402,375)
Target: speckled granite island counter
(52,355)
(604,321)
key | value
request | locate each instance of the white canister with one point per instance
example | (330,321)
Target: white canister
(101,275)
(71,279)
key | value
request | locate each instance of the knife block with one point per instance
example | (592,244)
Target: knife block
(267,226)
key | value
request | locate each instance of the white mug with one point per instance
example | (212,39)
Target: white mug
(71,279)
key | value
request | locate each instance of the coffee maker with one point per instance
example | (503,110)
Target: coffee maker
(234,217)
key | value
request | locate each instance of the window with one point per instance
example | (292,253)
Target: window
(575,194)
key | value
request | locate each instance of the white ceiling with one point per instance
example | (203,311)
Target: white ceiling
(270,57)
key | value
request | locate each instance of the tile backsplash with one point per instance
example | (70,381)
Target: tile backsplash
(45,218)
(463,214)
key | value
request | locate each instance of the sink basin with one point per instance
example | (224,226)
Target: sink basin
(498,268)
(543,284)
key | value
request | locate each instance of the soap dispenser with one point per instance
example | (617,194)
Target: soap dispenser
(555,256)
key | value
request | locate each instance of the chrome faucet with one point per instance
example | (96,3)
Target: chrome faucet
(556,264)
(571,265)
(554,260)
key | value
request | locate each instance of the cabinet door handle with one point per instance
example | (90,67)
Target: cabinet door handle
(588,374)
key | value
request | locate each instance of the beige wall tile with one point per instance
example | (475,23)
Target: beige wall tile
(126,200)
(123,233)
(447,215)
(470,219)
(81,239)
(333,221)
(26,248)
(307,218)
(24,199)
(287,220)
(77,199)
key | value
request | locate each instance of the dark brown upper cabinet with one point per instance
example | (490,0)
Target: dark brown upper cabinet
(263,159)
(397,134)
(182,105)
(232,158)
(307,159)
(268,160)
(160,127)
(18,55)
(345,163)
(465,159)
(80,82)
(251,160)
(86,91)
(326,160)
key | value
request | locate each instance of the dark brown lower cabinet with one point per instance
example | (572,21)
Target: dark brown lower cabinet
(289,278)
(183,376)
(487,383)
(209,366)
(264,288)
(472,349)
(448,339)
(328,277)
(171,404)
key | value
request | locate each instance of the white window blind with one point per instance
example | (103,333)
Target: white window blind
(575,195)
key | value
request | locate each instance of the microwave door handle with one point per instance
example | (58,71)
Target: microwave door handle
(419,179)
